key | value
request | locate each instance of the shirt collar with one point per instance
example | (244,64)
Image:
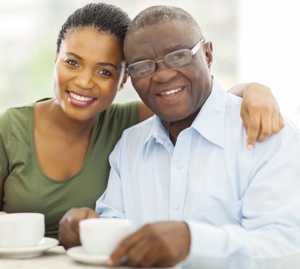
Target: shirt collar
(209,122)
(157,132)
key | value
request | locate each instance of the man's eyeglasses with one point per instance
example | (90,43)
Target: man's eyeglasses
(174,59)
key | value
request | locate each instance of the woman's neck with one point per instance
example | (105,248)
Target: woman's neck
(63,123)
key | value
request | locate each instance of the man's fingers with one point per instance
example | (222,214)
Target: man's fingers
(153,258)
(124,247)
(137,253)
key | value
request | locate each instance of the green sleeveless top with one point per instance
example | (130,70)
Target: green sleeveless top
(24,187)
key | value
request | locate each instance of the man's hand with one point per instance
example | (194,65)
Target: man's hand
(259,111)
(69,225)
(159,244)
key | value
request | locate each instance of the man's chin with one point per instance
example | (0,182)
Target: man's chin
(172,117)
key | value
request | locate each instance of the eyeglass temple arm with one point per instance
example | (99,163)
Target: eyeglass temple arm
(197,46)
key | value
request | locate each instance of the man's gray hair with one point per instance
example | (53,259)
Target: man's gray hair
(160,14)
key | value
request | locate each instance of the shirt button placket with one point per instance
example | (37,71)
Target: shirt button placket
(176,192)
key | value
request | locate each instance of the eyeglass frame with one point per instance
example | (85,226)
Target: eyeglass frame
(193,51)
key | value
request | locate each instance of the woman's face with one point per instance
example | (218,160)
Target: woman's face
(86,72)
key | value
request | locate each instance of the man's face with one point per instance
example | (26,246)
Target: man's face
(173,94)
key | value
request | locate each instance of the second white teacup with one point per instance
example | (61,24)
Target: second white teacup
(18,230)
(101,236)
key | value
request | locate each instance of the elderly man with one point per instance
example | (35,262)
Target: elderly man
(232,201)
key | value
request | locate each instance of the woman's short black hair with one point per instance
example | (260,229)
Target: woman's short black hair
(104,17)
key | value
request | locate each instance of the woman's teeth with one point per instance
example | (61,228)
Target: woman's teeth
(80,97)
(80,100)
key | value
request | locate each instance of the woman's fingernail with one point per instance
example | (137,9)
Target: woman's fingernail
(250,147)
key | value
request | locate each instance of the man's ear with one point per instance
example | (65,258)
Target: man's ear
(208,53)
(126,75)
(124,80)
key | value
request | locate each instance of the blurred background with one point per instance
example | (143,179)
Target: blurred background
(253,40)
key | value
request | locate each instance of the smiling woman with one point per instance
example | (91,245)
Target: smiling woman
(87,72)
(54,153)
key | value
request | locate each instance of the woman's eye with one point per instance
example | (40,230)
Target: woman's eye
(104,73)
(71,62)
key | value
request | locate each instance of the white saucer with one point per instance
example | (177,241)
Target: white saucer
(29,252)
(80,255)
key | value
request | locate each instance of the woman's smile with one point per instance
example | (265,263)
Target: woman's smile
(79,99)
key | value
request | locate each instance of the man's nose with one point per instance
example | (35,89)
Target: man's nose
(163,73)
(84,79)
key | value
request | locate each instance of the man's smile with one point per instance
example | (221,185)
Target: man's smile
(171,91)
(173,94)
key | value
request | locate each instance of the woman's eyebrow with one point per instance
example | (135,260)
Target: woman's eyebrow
(107,64)
(98,64)
(74,55)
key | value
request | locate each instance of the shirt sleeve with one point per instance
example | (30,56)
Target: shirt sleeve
(270,225)
(110,204)
(3,155)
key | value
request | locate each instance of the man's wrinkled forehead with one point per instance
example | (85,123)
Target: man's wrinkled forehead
(168,35)
(160,14)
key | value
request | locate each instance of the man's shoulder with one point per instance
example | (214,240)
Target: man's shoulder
(132,141)
(236,136)
(233,124)
(288,138)
(227,103)
(141,129)
(233,106)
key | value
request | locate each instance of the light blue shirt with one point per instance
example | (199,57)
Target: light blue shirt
(235,200)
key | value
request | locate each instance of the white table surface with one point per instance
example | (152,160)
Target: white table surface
(55,258)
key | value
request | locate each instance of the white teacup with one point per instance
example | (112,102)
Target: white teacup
(101,236)
(19,230)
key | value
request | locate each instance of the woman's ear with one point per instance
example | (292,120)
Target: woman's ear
(56,56)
